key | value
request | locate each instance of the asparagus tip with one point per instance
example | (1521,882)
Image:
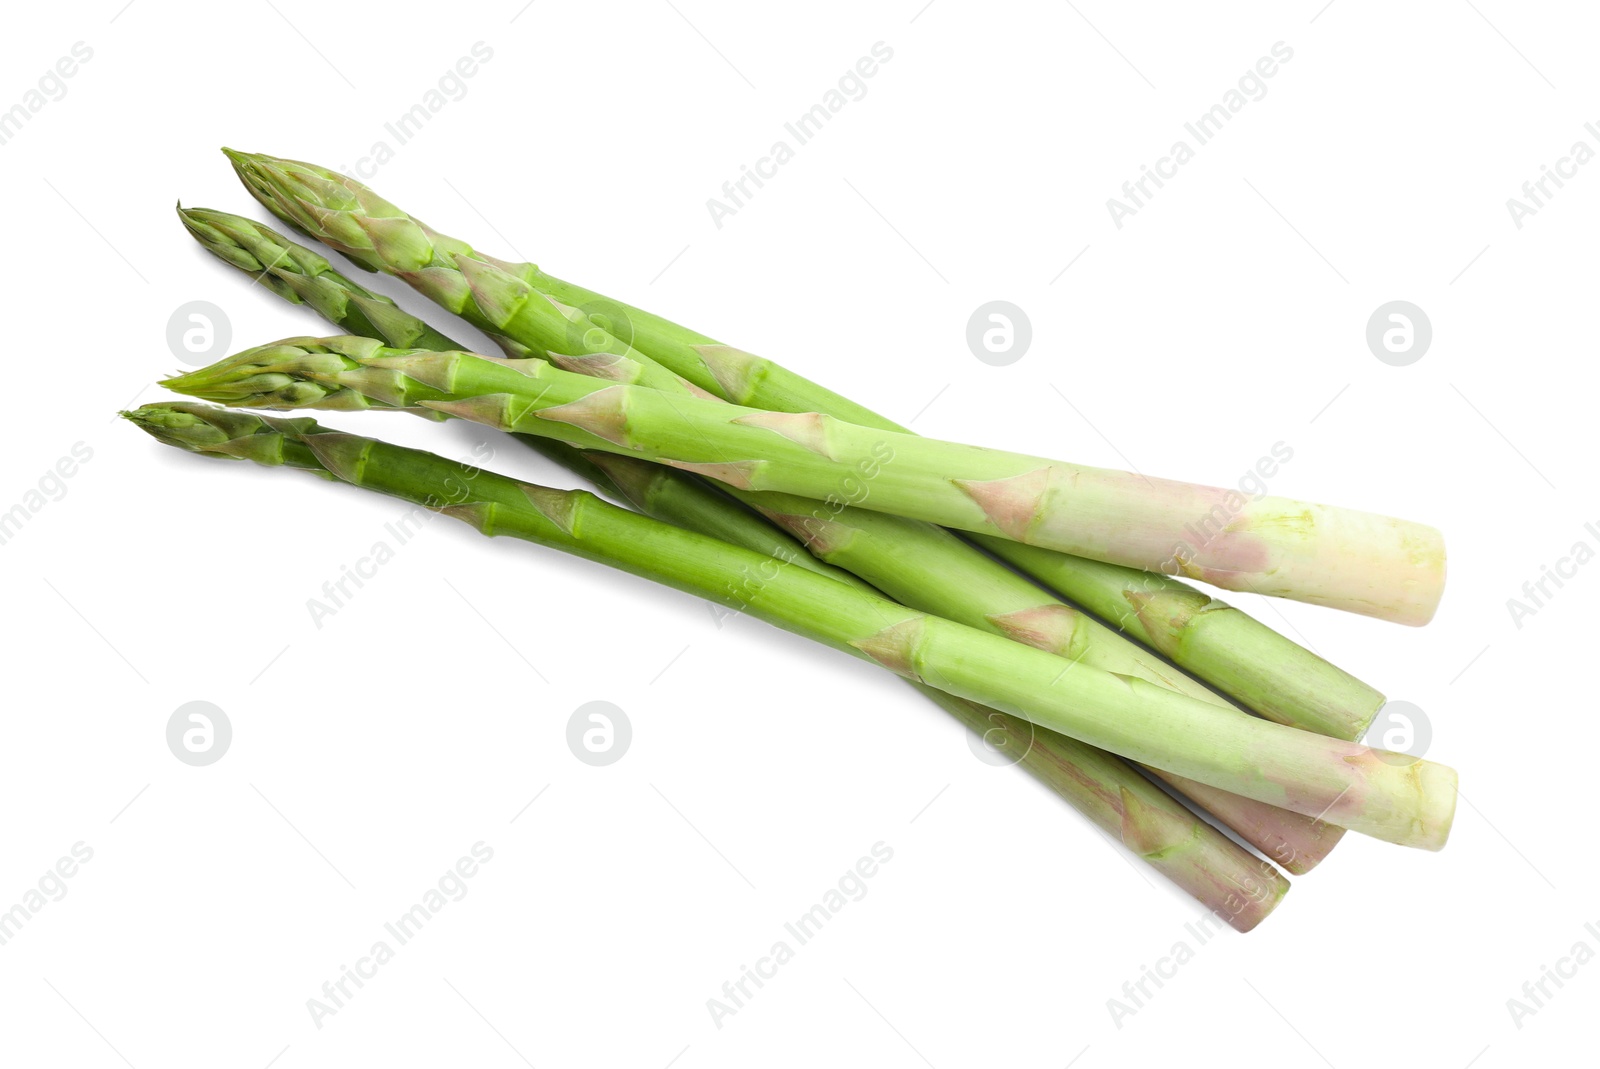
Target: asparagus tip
(151,416)
(178,424)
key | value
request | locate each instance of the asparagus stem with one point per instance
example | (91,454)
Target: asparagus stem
(1191,853)
(1361,562)
(1224,646)
(1340,557)
(342,373)
(1229,649)
(1296,842)
(300,276)
(1389,796)
(926,567)
(1188,851)
(498,305)
(1095,512)
(918,558)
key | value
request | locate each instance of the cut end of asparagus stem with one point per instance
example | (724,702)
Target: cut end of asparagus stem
(1395,797)
(1440,791)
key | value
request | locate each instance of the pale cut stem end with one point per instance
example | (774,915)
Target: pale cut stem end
(1440,792)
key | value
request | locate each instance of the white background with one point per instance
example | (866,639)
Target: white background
(368,755)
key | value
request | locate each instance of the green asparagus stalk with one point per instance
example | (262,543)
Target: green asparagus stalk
(1223,646)
(300,276)
(345,373)
(1297,843)
(1230,882)
(1389,796)
(926,567)
(1255,665)
(1118,800)
(1361,562)
(1093,511)
(917,557)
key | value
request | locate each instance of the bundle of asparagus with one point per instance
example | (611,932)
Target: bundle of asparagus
(768,493)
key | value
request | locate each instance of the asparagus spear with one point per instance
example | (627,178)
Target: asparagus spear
(300,276)
(1091,511)
(528,395)
(1230,882)
(1389,796)
(1258,667)
(895,555)
(1240,656)
(917,558)
(1218,643)
(1191,853)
